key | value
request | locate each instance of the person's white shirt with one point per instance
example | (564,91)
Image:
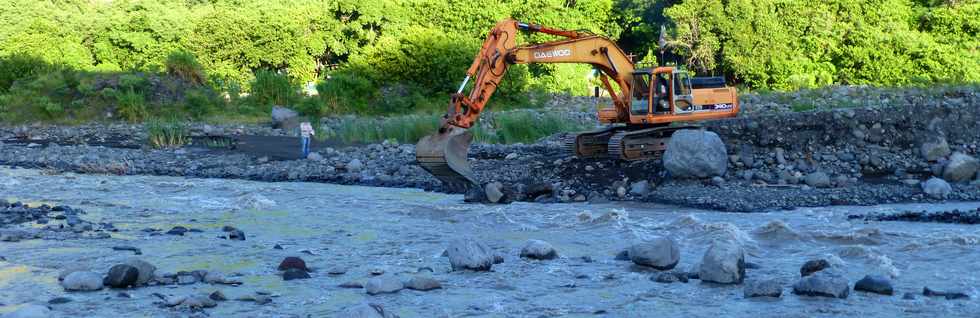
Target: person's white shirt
(306,129)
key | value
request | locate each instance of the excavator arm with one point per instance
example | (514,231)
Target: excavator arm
(444,153)
(499,51)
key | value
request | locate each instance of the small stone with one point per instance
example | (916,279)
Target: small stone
(383,285)
(199,301)
(367,310)
(813,266)
(336,271)
(875,284)
(59,300)
(218,296)
(236,235)
(351,284)
(538,249)
(511,156)
(82,281)
(661,253)
(122,276)
(908,296)
(670,277)
(818,180)
(293,273)
(640,188)
(623,255)
(763,288)
(186,279)
(423,283)
(293,262)
(355,166)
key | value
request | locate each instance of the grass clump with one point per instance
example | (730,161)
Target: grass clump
(131,105)
(185,66)
(271,88)
(163,134)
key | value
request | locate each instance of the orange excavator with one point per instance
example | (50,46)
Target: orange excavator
(645,101)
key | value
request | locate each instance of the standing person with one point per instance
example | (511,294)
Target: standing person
(305,131)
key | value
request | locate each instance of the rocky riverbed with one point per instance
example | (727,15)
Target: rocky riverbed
(186,247)
(919,146)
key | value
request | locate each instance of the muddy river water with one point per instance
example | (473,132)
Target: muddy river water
(399,231)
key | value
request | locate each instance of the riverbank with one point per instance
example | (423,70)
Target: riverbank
(777,159)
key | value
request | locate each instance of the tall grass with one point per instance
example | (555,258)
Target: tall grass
(185,66)
(131,105)
(271,88)
(171,133)
(504,127)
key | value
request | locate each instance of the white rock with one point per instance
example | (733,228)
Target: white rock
(82,281)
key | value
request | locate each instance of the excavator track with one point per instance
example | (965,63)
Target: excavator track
(590,144)
(642,144)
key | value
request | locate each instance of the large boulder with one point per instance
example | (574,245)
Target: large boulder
(384,284)
(695,154)
(122,276)
(146,270)
(763,288)
(934,148)
(723,263)
(875,284)
(82,281)
(936,188)
(283,117)
(824,284)
(961,167)
(469,254)
(661,253)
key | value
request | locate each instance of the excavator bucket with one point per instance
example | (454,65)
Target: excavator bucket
(443,154)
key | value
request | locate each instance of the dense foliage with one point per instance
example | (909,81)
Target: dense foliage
(60,57)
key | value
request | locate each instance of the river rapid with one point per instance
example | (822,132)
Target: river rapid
(400,231)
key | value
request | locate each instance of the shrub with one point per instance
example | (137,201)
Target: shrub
(271,88)
(131,105)
(184,65)
(166,133)
(19,67)
(201,102)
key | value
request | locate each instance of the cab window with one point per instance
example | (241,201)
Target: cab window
(682,83)
(641,93)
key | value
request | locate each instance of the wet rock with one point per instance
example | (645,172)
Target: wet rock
(935,148)
(948,295)
(367,310)
(59,300)
(818,180)
(145,270)
(813,266)
(177,230)
(135,250)
(470,254)
(314,156)
(423,283)
(961,167)
(199,301)
(29,311)
(236,235)
(936,188)
(384,284)
(351,284)
(538,249)
(723,263)
(670,277)
(908,296)
(493,191)
(336,271)
(661,253)
(215,277)
(82,281)
(293,273)
(763,288)
(217,296)
(623,255)
(122,276)
(875,284)
(695,154)
(293,262)
(823,284)
(498,259)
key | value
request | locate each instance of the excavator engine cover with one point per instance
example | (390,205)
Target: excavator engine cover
(443,154)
